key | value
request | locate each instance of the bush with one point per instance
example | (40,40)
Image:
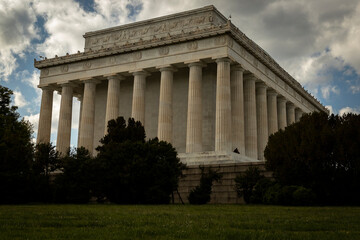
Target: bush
(321,153)
(135,171)
(260,189)
(272,194)
(303,196)
(244,184)
(74,183)
(201,194)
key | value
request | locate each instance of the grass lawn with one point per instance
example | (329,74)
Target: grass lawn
(178,222)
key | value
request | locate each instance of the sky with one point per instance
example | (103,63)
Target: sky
(316,41)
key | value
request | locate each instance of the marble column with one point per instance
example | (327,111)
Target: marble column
(138,101)
(44,127)
(86,138)
(237,108)
(272,112)
(298,114)
(281,109)
(251,149)
(261,119)
(194,110)
(64,127)
(223,106)
(290,113)
(80,98)
(113,97)
(165,119)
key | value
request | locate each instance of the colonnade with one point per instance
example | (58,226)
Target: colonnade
(247,110)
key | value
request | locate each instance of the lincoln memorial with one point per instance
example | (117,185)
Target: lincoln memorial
(192,78)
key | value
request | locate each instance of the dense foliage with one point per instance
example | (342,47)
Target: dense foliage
(16,152)
(320,154)
(132,170)
(201,194)
(245,183)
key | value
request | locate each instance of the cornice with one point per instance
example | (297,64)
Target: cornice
(174,37)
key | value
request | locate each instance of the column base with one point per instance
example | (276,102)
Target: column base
(213,158)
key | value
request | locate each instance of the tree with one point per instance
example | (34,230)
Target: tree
(202,194)
(320,153)
(245,183)
(16,151)
(46,162)
(74,184)
(132,170)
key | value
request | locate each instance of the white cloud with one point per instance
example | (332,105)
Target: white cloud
(34,120)
(17,29)
(66,22)
(19,99)
(349,110)
(330,108)
(355,89)
(326,90)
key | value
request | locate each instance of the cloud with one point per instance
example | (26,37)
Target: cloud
(17,30)
(34,120)
(355,89)
(19,99)
(325,91)
(66,22)
(349,110)
(330,108)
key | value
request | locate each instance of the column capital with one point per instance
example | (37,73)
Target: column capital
(271,92)
(223,59)
(139,72)
(237,67)
(116,76)
(281,99)
(290,104)
(90,80)
(67,84)
(169,68)
(261,85)
(46,87)
(250,77)
(195,63)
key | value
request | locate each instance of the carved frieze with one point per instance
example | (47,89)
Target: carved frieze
(87,65)
(45,72)
(164,50)
(64,68)
(192,45)
(220,40)
(165,27)
(137,55)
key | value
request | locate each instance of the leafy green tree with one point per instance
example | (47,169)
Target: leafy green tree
(320,153)
(132,170)
(74,183)
(202,194)
(16,151)
(46,162)
(245,183)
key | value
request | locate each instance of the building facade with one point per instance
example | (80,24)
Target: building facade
(192,78)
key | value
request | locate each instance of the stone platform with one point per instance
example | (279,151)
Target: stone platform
(222,192)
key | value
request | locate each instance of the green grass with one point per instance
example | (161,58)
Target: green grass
(178,222)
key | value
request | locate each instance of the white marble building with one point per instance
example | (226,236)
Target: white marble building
(192,78)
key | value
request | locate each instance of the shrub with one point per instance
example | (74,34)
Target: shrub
(134,171)
(244,184)
(201,194)
(260,190)
(321,153)
(303,196)
(272,194)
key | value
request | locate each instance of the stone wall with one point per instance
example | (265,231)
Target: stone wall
(222,192)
